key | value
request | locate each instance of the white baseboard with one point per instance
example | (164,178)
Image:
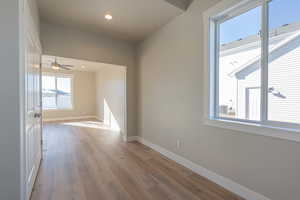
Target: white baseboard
(99,119)
(220,180)
(69,118)
(132,138)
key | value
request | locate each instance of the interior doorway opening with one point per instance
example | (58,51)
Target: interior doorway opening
(84,93)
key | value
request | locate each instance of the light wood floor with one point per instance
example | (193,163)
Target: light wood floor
(94,164)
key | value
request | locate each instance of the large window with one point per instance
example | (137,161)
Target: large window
(256,63)
(57,92)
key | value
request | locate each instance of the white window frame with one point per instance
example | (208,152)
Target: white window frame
(61,75)
(212,19)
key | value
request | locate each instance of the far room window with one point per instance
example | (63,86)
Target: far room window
(255,63)
(57,92)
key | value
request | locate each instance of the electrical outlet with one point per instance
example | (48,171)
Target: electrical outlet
(178,144)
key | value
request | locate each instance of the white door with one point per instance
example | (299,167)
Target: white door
(33,111)
(253,103)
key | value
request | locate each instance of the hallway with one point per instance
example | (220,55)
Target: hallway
(86,161)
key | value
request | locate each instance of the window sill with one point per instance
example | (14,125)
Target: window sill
(53,110)
(257,129)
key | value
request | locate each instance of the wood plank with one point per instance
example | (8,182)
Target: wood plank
(82,163)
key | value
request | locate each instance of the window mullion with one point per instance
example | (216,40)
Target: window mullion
(56,94)
(264,62)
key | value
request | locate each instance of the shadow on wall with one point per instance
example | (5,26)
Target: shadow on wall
(109,119)
(111,97)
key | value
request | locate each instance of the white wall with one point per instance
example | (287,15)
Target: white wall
(84,96)
(73,43)
(111,86)
(35,14)
(10,137)
(171,98)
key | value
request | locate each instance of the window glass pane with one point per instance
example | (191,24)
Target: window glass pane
(48,82)
(64,102)
(284,61)
(49,102)
(239,66)
(64,84)
(64,97)
(48,92)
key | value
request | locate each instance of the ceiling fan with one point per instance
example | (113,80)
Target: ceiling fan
(56,66)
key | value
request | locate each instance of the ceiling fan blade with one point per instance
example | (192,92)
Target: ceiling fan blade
(67,65)
(64,67)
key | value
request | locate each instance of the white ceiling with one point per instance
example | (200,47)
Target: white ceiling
(79,65)
(132,19)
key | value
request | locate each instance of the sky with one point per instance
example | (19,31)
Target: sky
(280,12)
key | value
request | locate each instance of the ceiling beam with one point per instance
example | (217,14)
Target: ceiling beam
(181,4)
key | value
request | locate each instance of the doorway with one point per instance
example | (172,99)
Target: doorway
(80,90)
(253,103)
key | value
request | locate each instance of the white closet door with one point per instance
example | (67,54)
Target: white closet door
(33,105)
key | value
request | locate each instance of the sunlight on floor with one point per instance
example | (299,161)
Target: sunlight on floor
(91,124)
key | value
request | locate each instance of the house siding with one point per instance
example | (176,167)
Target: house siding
(284,77)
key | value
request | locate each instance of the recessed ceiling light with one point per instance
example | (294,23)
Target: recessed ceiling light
(82,66)
(108,17)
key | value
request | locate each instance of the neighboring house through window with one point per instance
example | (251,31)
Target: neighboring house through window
(57,92)
(256,63)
